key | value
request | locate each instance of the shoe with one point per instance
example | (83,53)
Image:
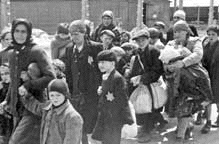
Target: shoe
(206,129)
(199,119)
(179,140)
(189,133)
(216,124)
(161,126)
(144,138)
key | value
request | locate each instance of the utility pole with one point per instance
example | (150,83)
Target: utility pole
(175,5)
(211,13)
(5,13)
(139,21)
(85,9)
(181,4)
(198,17)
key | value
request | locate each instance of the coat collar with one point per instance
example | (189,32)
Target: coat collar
(58,110)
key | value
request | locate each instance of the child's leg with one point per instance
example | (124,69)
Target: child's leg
(112,135)
(183,123)
(207,126)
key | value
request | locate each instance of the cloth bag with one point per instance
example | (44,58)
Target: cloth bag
(159,91)
(141,99)
(130,131)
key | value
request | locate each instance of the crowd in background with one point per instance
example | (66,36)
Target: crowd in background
(85,84)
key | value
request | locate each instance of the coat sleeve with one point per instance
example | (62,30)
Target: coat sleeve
(45,66)
(73,132)
(120,91)
(33,105)
(196,56)
(155,71)
(54,49)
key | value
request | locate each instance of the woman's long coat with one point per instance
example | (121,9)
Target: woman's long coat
(211,62)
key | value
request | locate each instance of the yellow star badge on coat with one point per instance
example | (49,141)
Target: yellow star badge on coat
(110,96)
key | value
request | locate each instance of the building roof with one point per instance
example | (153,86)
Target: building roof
(195,3)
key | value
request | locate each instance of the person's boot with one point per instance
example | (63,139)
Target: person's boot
(207,128)
(216,124)
(145,138)
(189,133)
(199,119)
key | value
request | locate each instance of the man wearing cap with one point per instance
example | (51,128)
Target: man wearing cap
(154,38)
(161,27)
(152,69)
(82,75)
(180,15)
(107,37)
(107,24)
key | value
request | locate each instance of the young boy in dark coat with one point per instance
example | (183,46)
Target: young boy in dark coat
(6,121)
(113,101)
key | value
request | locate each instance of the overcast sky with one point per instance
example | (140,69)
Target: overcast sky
(196,2)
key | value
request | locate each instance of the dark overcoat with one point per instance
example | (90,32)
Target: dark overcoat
(83,78)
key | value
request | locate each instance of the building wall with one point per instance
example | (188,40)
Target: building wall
(157,10)
(46,14)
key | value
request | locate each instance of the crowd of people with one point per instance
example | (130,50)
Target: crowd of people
(84,86)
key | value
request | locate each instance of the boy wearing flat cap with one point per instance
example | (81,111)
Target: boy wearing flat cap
(60,122)
(146,65)
(113,101)
(107,37)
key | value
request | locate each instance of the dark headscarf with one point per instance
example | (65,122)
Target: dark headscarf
(28,25)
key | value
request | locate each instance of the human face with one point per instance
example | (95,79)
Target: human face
(142,42)
(56,98)
(212,36)
(106,39)
(106,20)
(124,38)
(7,40)
(176,19)
(77,37)
(20,34)
(180,36)
(106,66)
(5,76)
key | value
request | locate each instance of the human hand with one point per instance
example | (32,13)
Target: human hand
(99,90)
(205,103)
(24,76)
(1,85)
(2,105)
(22,91)
(176,65)
(90,60)
(135,80)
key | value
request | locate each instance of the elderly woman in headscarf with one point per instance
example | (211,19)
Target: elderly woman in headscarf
(107,24)
(22,52)
(188,82)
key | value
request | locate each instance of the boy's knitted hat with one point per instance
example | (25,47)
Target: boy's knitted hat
(213,28)
(180,13)
(108,32)
(60,86)
(62,28)
(181,26)
(154,33)
(108,13)
(106,55)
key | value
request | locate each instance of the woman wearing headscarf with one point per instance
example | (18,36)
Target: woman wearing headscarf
(23,52)
(107,24)
(185,90)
